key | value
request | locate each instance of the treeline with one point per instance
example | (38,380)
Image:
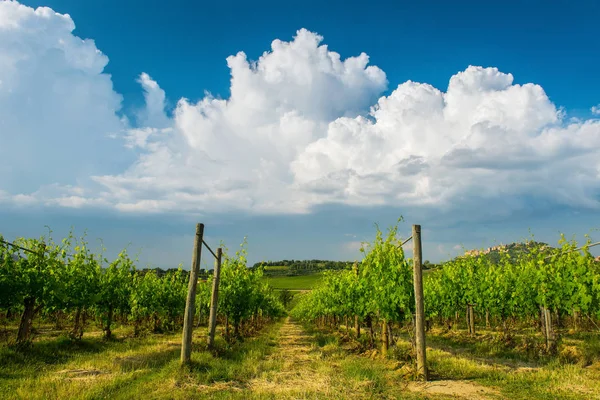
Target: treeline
(299,267)
(203,274)
(542,287)
(67,283)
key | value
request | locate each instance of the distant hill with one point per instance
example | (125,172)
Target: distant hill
(514,250)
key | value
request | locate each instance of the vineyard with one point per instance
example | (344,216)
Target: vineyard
(540,290)
(516,325)
(67,284)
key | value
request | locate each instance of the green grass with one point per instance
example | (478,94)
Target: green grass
(463,366)
(300,282)
(287,361)
(147,367)
(485,364)
(267,366)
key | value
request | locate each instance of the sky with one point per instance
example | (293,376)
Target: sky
(299,126)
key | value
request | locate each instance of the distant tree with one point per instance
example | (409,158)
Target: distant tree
(285,296)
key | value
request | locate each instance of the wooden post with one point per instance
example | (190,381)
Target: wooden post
(543,321)
(468,315)
(420,308)
(390,334)
(550,340)
(214,300)
(188,321)
(356,318)
(385,343)
(456,320)
(471,320)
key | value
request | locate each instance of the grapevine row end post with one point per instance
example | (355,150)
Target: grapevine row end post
(419,307)
(214,300)
(188,321)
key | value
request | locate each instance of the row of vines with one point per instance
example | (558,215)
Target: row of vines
(542,288)
(68,284)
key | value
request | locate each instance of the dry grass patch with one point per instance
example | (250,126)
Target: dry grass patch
(299,369)
(460,389)
(80,373)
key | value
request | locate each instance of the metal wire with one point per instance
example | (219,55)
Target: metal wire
(406,241)
(567,252)
(209,249)
(18,247)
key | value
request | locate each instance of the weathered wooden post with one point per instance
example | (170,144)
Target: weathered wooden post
(471,320)
(188,321)
(550,339)
(420,309)
(385,342)
(356,317)
(214,300)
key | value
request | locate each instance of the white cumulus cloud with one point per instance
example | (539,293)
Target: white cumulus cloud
(237,153)
(57,107)
(484,140)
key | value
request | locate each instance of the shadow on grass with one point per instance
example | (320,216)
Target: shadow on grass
(156,359)
(239,350)
(51,352)
(19,362)
(491,349)
(322,336)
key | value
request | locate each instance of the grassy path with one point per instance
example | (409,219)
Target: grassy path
(314,365)
(300,373)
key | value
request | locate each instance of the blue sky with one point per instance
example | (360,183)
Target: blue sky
(184,44)
(475,155)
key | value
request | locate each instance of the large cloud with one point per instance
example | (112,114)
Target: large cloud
(304,127)
(485,141)
(485,138)
(57,107)
(237,153)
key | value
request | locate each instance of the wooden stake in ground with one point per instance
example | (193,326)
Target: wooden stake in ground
(356,317)
(385,343)
(214,300)
(470,320)
(420,309)
(468,315)
(550,339)
(188,321)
